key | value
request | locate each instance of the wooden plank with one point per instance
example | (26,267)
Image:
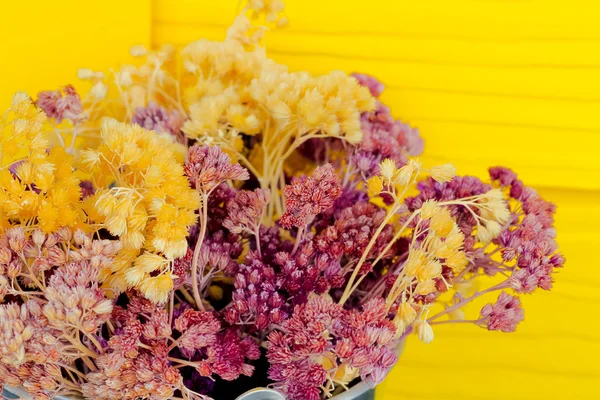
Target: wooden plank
(509,82)
(45,42)
(500,20)
(554,70)
(515,103)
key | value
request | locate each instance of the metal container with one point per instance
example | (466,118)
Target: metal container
(357,392)
(360,391)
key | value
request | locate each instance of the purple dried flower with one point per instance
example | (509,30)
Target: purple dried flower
(322,339)
(384,136)
(208,166)
(157,118)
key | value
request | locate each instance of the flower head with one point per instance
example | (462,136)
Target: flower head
(149,206)
(307,197)
(157,118)
(504,314)
(245,211)
(208,166)
(59,107)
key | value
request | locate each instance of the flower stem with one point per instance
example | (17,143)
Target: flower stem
(349,285)
(500,286)
(203,223)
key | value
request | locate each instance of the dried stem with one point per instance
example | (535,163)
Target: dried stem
(203,223)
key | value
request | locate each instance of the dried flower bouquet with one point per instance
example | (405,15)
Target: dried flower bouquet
(207,215)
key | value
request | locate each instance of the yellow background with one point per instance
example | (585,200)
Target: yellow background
(513,82)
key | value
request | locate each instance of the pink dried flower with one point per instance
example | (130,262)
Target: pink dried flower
(352,230)
(306,197)
(132,375)
(321,338)
(60,107)
(209,166)
(504,315)
(531,239)
(75,300)
(15,333)
(29,349)
(245,211)
(227,357)
(296,351)
(135,363)
(384,136)
(527,239)
(181,269)
(268,287)
(198,329)
(369,342)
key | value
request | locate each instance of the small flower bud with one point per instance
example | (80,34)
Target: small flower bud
(494,228)
(5,256)
(483,234)
(99,91)
(123,78)
(14,269)
(104,307)
(443,173)
(85,73)
(429,209)
(138,50)
(387,169)
(424,331)
(404,175)
(38,237)
(407,313)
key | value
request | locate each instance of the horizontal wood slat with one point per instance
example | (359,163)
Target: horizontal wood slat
(488,82)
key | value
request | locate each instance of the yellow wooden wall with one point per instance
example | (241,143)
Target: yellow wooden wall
(514,82)
(43,43)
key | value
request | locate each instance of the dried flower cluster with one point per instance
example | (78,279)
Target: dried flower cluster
(207,212)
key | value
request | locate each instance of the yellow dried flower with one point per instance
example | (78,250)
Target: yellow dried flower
(429,209)
(495,207)
(430,270)
(493,228)
(157,288)
(57,201)
(150,205)
(415,261)
(443,173)
(387,169)
(271,9)
(426,287)
(375,186)
(423,331)
(441,222)
(407,312)
(457,261)
(404,174)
